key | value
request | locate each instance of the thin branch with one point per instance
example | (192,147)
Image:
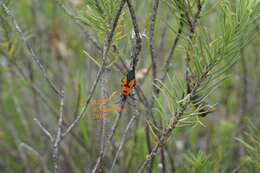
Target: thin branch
(152,47)
(138,40)
(134,57)
(128,126)
(112,132)
(104,92)
(162,155)
(105,52)
(30,50)
(135,142)
(42,97)
(154,65)
(174,121)
(44,130)
(168,63)
(75,19)
(104,57)
(149,146)
(196,18)
(57,141)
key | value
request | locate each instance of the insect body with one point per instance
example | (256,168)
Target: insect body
(128,83)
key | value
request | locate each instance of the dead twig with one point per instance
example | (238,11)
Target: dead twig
(152,46)
(105,53)
(30,50)
(44,129)
(123,139)
(56,144)
(109,138)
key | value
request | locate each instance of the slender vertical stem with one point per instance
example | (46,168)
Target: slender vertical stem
(162,156)
(123,139)
(152,46)
(56,145)
(108,140)
(106,48)
(192,26)
(138,40)
(103,84)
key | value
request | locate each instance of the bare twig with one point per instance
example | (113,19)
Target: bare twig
(149,146)
(103,84)
(45,131)
(105,52)
(112,132)
(168,63)
(138,40)
(154,65)
(135,142)
(162,155)
(128,126)
(55,154)
(30,50)
(75,19)
(104,57)
(134,57)
(152,47)
(115,124)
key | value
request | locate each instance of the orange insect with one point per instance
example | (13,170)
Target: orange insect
(128,83)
